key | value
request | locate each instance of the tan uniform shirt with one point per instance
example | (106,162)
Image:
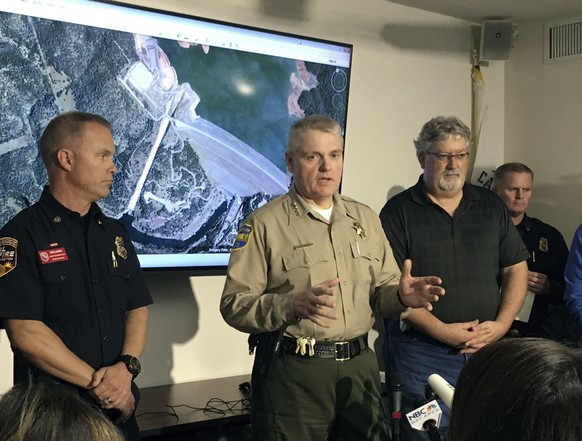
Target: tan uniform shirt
(285,248)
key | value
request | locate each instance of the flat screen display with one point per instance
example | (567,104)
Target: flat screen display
(200,112)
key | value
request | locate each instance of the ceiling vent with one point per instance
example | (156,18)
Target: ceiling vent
(563,40)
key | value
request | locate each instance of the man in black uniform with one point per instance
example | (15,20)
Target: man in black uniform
(72,297)
(513,182)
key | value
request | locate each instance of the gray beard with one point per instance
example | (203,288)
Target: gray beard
(450,183)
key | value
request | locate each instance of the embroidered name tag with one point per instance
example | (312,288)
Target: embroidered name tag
(53,255)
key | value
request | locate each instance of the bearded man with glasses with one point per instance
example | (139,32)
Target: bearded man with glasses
(463,234)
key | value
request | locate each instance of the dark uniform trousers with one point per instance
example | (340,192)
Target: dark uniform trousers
(332,400)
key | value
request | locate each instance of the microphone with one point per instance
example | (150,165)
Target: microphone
(442,389)
(396,414)
(426,417)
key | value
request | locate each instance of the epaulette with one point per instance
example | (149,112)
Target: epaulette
(353,201)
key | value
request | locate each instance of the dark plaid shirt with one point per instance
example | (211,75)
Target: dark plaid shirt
(467,251)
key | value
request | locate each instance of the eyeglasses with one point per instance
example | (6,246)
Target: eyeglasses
(446,157)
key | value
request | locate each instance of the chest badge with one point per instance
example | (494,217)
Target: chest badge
(120,247)
(543,244)
(359,230)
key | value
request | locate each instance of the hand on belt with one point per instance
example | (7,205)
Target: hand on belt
(338,350)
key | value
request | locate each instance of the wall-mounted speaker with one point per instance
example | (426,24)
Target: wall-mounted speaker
(496,36)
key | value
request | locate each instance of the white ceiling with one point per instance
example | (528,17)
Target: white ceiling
(516,11)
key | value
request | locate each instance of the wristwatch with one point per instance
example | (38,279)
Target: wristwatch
(131,363)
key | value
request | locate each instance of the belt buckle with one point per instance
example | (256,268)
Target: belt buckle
(342,350)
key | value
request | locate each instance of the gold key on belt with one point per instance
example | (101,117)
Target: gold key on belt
(301,345)
(311,343)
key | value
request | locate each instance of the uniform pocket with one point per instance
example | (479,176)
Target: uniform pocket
(367,260)
(119,282)
(306,266)
(60,299)
(366,250)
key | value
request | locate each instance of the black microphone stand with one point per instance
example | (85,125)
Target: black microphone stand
(433,432)
(430,426)
(396,411)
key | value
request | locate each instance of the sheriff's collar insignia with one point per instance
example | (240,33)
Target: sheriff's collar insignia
(295,206)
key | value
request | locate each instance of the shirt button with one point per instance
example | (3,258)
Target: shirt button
(344,283)
(308,261)
(63,277)
(340,254)
(101,311)
(105,338)
(95,281)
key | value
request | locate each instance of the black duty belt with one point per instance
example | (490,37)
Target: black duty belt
(337,350)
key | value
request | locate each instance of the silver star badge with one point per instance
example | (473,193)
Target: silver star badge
(359,230)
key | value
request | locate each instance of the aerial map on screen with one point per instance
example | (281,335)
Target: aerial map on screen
(200,130)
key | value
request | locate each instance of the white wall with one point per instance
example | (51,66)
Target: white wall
(408,66)
(543,128)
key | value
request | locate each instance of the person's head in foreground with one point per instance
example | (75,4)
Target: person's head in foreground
(44,411)
(522,389)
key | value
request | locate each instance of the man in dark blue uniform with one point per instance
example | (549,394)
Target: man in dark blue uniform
(72,297)
(513,182)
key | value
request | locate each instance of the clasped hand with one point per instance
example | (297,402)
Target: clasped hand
(111,388)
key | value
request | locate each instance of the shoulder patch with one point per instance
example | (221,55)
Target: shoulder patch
(8,255)
(243,237)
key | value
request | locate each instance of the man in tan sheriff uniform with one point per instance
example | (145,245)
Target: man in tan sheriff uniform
(306,274)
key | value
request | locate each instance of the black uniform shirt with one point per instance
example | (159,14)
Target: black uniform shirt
(78,275)
(549,253)
(467,251)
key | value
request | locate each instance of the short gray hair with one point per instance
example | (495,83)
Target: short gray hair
(439,128)
(320,123)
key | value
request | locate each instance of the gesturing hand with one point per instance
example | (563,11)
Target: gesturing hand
(316,304)
(419,292)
